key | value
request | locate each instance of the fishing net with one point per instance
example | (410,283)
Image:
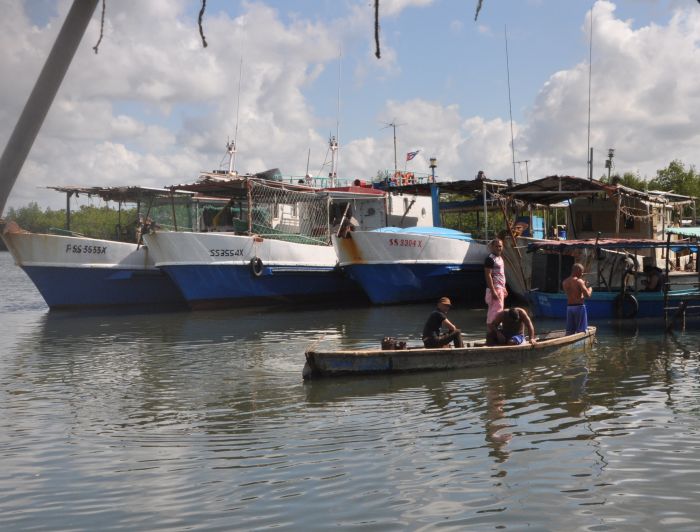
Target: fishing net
(289,214)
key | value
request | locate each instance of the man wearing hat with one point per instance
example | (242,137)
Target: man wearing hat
(432,334)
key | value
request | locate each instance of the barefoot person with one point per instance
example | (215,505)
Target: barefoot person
(576,290)
(432,333)
(495,272)
(508,328)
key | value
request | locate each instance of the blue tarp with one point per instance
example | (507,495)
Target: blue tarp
(685,231)
(432,231)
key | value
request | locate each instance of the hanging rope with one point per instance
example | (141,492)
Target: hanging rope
(478,8)
(102,27)
(378,54)
(201,15)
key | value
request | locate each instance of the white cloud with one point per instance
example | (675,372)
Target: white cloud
(154,107)
(644,99)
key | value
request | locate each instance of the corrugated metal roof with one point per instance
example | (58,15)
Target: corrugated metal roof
(603,243)
(554,189)
(122,194)
(685,231)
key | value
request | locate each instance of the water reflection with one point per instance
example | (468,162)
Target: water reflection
(186,420)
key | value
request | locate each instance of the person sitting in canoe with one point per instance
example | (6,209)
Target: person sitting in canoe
(432,331)
(508,328)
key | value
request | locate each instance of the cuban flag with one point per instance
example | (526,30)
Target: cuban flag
(411,154)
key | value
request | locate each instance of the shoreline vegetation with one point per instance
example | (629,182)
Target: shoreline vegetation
(109,223)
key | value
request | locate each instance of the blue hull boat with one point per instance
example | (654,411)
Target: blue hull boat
(395,265)
(609,305)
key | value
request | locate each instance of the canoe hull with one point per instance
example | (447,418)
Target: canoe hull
(338,363)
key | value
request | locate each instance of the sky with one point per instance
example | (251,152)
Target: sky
(154,107)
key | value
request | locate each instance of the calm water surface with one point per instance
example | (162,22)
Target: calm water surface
(200,420)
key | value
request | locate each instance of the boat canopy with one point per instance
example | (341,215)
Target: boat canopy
(430,231)
(688,232)
(122,194)
(562,246)
(554,189)
(461,187)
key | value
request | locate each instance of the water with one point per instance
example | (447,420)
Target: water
(200,420)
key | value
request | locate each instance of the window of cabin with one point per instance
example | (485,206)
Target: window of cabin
(586,221)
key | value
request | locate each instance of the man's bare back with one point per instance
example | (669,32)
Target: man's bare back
(575,287)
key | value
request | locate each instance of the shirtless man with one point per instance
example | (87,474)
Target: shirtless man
(508,328)
(576,290)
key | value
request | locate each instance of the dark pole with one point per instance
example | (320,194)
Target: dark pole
(43,94)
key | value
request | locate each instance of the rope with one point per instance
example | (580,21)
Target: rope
(201,15)
(378,54)
(102,27)
(478,8)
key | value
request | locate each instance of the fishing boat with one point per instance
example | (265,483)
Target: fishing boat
(321,363)
(621,293)
(423,261)
(567,208)
(271,243)
(71,270)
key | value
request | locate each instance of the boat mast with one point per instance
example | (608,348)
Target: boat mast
(231,146)
(333,146)
(510,105)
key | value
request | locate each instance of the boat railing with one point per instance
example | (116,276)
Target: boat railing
(64,232)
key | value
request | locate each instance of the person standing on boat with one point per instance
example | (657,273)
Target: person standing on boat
(495,272)
(576,290)
(508,328)
(432,331)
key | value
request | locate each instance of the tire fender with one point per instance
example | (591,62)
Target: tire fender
(256,267)
(626,305)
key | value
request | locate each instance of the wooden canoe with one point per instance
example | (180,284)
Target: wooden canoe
(474,354)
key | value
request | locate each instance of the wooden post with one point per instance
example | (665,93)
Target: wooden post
(68,195)
(172,204)
(486,213)
(667,282)
(43,94)
(617,216)
(249,190)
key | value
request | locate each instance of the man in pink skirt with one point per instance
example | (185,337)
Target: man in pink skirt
(495,272)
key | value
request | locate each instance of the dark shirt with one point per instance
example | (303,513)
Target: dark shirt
(432,326)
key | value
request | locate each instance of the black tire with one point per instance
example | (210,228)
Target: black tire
(256,267)
(626,305)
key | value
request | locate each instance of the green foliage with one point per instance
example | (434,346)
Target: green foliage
(675,178)
(95,222)
(628,179)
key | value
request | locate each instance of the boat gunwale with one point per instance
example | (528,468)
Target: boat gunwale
(526,346)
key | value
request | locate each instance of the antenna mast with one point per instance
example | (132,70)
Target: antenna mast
(510,105)
(394,125)
(334,145)
(231,146)
(589,150)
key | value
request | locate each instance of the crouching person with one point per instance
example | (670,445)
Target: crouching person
(508,328)
(432,331)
